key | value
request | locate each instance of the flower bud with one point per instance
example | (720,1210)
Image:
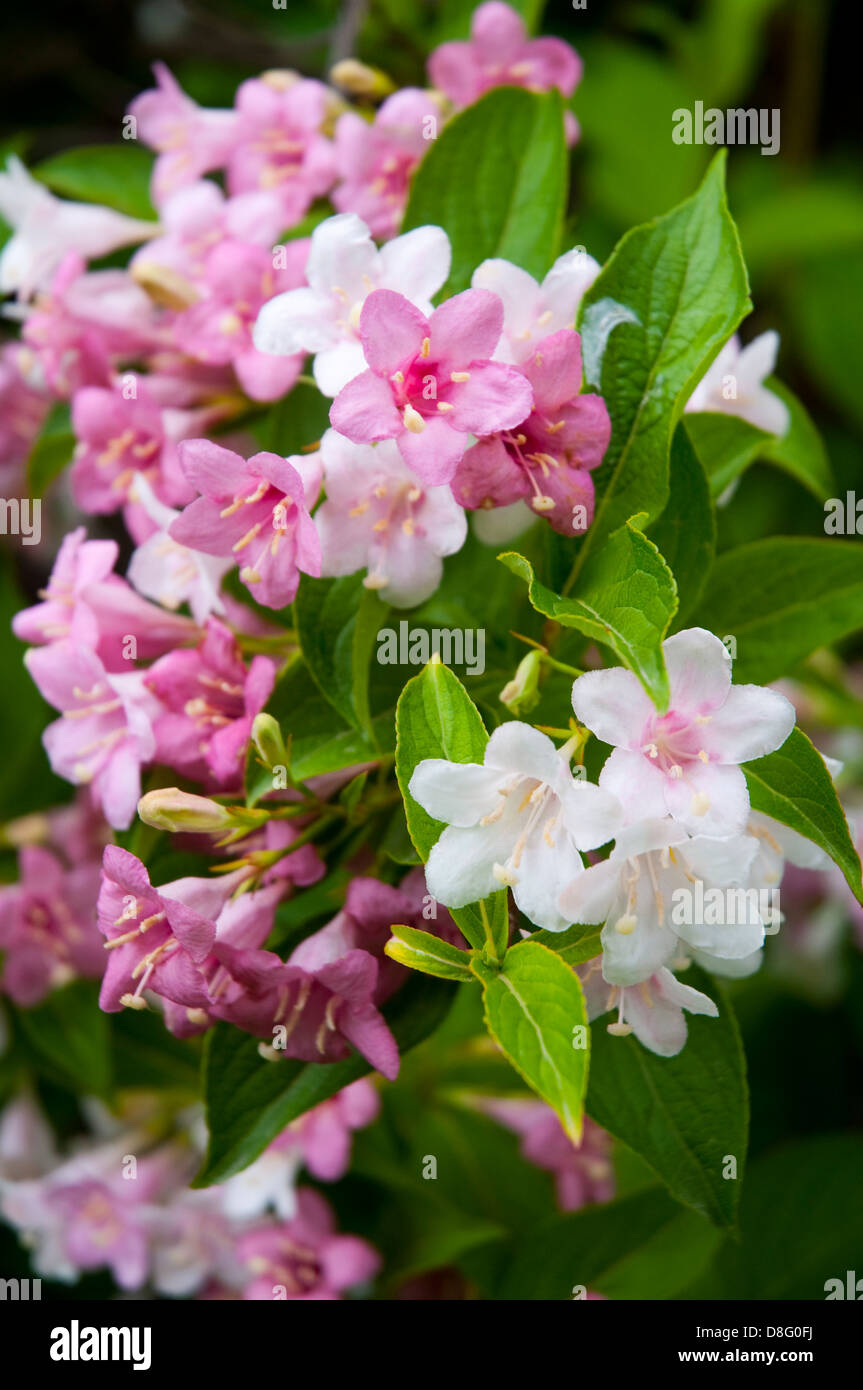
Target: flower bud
(359,80)
(168,808)
(268,741)
(521,694)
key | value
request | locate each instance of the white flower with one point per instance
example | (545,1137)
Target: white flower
(344,266)
(533,311)
(268,1183)
(733,385)
(518,820)
(660,888)
(652,1010)
(46,228)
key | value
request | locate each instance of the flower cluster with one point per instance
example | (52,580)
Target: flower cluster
(121,1201)
(671,796)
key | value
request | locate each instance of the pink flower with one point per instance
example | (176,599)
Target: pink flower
(23,404)
(195,220)
(259,507)
(105,1217)
(105,733)
(159,939)
(431,382)
(304,1259)
(320,1139)
(375,162)
(582,1173)
(86,322)
(209,701)
(500,54)
(48,927)
(217,329)
(316,1007)
(547,458)
(119,437)
(344,265)
(191,140)
(684,763)
(280,147)
(323,1134)
(379,517)
(86,603)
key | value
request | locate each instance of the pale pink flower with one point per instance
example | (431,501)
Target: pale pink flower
(280,148)
(48,930)
(86,603)
(195,220)
(375,162)
(431,383)
(217,329)
(683,763)
(105,733)
(86,323)
(500,54)
(533,311)
(119,437)
(652,1010)
(379,517)
(24,403)
(190,139)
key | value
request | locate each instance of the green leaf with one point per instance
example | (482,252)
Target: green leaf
(669,297)
(435,718)
(250,1101)
(683,1114)
(577,1249)
(685,534)
(52,450)
(781,599)
(146,1055)
(575,945)
(794,787)
(115,176)
(337,623)
(67,1038)
(495,180)
(725,445)
(801,450)
(294,423)
(625,598)
(421,951)
(533,1007)
(790,1249)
